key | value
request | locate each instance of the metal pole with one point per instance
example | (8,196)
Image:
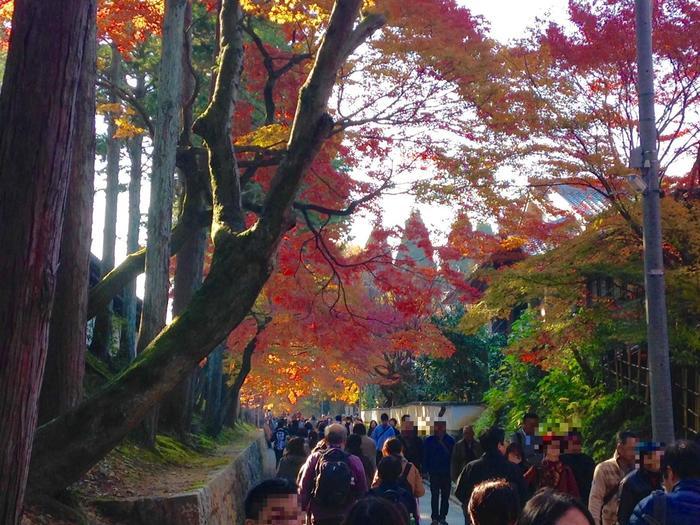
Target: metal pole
(657,329)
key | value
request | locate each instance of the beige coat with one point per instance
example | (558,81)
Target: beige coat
(414,479)
(369,449)
(606,478)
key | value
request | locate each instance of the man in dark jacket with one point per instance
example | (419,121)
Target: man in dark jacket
(680,504)
(466,450)
(492,465)
(437,453)
(412,444)
(581,464)
(641,482)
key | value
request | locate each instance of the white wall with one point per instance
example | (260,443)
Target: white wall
(424,415)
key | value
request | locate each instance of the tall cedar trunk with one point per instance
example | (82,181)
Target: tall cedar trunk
(102,333)
(155,303)
(44,65)
(215,386)
(68,446)
(127,341)
(62,387)
(177,409)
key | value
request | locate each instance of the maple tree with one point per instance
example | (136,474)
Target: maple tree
(268,196)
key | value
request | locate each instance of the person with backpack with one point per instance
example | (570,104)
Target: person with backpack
(391,487)
(680,504)
(279,439)
(603,501)
(381,433)
(292,460)
(410,475)
(331,480)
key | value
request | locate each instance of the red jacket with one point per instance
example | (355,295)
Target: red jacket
(553,474)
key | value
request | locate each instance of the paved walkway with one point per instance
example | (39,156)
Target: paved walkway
(454,516)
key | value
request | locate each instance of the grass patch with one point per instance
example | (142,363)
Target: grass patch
(169,451)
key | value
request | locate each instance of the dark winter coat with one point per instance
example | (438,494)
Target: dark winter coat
(634,487)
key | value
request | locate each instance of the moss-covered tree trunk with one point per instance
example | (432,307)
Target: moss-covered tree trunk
(102,333)
(160,210)
(45,63)
(68,446)
(62,387)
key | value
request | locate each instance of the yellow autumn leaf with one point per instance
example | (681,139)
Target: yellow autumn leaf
(127,129)
(274,136)
(114,107)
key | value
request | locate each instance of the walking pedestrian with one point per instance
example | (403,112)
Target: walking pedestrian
(273,502)
(641,482)
(412,443)
(369,447)
(409,472)
(354,447)
(680,504)
(331,480)
(603,501)
(279,439)
(389,487)
(292,460)
(552,473)
(581,464)
(376,511)
(549,507)
(381,433)
(493,502)
(528,439)
(491,465)
(436,464)
(466,450)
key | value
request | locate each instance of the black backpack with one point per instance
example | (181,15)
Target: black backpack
(335,482)
(400,496)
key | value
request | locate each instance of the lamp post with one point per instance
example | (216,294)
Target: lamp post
(657,329)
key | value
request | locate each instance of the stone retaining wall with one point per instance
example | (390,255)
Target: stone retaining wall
(220,502)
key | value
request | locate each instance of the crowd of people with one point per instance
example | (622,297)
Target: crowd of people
(341,471)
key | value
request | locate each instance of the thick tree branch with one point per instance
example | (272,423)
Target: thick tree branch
(214,125)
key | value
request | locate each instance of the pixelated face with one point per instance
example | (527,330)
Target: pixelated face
(440,428)
(572,517)
(652,461)
(283,509)
(628,450)
(554,450)
(573,445)
(469,433)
